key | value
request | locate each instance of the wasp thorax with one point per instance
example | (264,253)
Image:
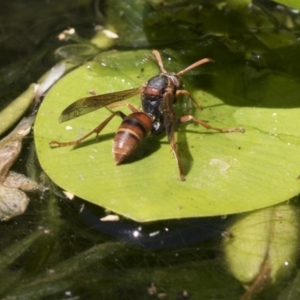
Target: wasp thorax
(176,80)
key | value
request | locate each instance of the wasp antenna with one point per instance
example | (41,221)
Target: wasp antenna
(194,65)
(159,61)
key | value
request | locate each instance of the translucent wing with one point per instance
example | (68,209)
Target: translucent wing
(170,119)
(89,104)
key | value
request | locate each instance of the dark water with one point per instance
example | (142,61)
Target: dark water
(55,252)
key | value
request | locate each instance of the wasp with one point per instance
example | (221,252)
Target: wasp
(157,115)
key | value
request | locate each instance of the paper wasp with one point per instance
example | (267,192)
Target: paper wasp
(157,114)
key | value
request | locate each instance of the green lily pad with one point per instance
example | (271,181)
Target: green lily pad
(225,173)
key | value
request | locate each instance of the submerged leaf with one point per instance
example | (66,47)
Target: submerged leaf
(12,113)
(290,3)
(262,246)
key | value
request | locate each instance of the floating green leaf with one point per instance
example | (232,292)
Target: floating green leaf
(226,173)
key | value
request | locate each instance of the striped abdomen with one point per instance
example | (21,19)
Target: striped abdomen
(134,128)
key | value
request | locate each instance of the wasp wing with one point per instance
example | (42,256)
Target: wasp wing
(170,119)
(89,104)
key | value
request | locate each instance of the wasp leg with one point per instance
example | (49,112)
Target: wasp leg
(118,104)
(173,146)
(188,94)
(96,130)
(188,118)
